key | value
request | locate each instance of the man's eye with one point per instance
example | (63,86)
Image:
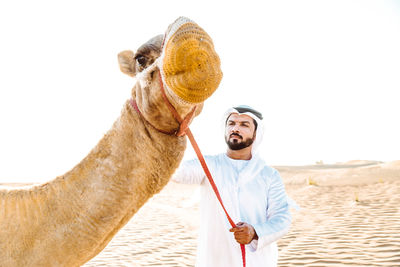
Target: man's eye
(141,60)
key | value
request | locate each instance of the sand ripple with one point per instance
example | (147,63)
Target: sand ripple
(331,229)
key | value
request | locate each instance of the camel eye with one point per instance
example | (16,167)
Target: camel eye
(141,60)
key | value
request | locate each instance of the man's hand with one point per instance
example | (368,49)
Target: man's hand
(244,233)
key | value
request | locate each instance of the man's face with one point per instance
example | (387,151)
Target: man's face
(239,131)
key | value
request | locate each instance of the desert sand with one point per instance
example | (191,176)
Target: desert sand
(349,216)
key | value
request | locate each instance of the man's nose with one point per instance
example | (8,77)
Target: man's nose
(235,128)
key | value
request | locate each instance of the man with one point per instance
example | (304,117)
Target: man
(252,192)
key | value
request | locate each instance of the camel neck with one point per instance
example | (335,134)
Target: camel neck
(82,210)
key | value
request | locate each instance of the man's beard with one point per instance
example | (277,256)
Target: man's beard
(239,144)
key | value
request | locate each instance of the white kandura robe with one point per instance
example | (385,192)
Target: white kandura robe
(252,192)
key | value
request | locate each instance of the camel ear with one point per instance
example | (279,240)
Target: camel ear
(127,62)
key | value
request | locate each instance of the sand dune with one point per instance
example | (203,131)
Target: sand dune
(361,162)
(350,216)
(334,229)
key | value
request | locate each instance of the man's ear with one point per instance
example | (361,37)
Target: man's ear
(127,62)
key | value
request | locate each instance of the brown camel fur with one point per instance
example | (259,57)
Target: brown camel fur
(70,219)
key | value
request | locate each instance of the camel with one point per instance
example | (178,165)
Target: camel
(69,220)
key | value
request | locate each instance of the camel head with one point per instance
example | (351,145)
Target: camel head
(182,61)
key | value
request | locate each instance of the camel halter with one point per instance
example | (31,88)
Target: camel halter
(185,130)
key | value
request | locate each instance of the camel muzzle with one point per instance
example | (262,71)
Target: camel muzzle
(189,65)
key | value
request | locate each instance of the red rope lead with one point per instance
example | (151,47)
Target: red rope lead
(214,186)
(185,129)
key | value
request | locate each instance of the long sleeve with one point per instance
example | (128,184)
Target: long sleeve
(189,172)
(278,215)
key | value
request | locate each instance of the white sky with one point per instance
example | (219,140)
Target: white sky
(325,74)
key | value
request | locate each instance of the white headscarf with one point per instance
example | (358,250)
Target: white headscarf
(254,114)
